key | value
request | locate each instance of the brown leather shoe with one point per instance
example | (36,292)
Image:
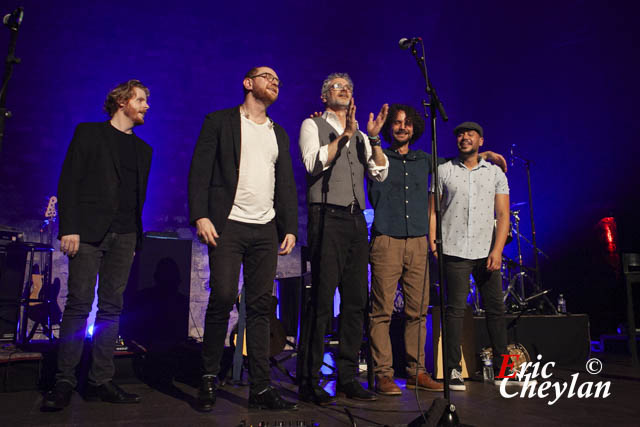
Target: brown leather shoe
(386,385)
(425,382)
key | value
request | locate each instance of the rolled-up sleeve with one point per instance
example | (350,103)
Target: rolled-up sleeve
(375,172)
(314,156)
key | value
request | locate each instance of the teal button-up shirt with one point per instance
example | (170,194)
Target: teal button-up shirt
(401,202)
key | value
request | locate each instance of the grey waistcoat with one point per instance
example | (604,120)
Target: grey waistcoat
(344,180)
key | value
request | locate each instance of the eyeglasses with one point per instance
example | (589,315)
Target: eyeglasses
(270,78)
(340,86)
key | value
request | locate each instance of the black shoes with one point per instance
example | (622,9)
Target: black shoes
(110,392)
(58,397)
(207,393)
(353,390)
(269,398)
(315,394)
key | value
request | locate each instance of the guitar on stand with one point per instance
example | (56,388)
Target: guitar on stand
(43,306)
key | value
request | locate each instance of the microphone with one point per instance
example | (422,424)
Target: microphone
(406,43)
(13,19)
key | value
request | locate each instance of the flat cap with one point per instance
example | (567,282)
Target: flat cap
(468,126)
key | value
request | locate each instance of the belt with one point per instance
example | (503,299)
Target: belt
(353,208)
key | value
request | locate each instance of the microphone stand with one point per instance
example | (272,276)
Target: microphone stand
(449,417)
(537,281)
(8,69)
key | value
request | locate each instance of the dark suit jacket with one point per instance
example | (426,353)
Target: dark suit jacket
(213,178)
(88,190)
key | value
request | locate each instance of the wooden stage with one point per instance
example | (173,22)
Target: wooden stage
(171,404)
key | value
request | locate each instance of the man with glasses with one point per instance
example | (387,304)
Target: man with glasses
(337,157)
(243,202)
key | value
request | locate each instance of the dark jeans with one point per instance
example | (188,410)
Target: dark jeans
(255,246)
(338,243)
(490,286)
(110,259)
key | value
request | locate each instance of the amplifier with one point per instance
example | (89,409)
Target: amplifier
(10,234)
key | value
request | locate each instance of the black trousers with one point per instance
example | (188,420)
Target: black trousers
(111,259)
(489,284)
(255,246)
(338,242)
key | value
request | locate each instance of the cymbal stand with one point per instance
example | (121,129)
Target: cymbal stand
(540,251)
(521,275)
(536,282)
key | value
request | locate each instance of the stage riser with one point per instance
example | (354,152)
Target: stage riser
(39,374)
(564,340)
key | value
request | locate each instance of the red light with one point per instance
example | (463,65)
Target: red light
(609,232)
(608,236)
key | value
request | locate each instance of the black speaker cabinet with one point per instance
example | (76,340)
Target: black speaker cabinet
(12,269)
(156,301)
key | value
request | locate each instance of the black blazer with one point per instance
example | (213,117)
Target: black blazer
(88,194)
(213,177)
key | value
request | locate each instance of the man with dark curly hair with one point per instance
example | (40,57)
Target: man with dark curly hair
(398,250)
(101,193)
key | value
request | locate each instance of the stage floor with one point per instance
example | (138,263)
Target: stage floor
(480,405)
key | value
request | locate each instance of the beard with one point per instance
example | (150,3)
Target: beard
(402,137)
(136,116)
(338,103)
(396,143)
(265,96)
(471,152)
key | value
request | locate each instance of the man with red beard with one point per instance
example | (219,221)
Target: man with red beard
(101,193)
(243,202)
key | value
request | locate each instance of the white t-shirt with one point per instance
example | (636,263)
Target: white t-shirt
(256,181)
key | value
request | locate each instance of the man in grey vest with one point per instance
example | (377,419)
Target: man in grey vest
(337,157)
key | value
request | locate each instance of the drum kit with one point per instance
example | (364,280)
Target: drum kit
(521,284)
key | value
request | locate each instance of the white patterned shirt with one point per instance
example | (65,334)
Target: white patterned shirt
(468,207)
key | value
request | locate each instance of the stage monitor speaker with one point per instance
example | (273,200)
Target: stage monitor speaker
(156,301)
(12,271)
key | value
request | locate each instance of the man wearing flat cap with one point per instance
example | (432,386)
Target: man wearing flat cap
(472,190)
(398,249)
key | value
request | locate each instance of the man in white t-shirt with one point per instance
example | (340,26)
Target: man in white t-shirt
(243,202)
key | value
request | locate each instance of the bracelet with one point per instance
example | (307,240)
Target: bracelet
(375,141)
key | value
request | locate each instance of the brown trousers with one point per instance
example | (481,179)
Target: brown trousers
(392,260)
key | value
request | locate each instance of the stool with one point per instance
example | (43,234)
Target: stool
(25,300)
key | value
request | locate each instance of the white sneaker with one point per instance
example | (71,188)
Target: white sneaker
(456,382)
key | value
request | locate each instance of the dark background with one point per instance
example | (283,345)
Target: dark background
(555,78)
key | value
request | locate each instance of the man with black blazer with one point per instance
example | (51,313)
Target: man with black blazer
(243,202)
(101,193)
